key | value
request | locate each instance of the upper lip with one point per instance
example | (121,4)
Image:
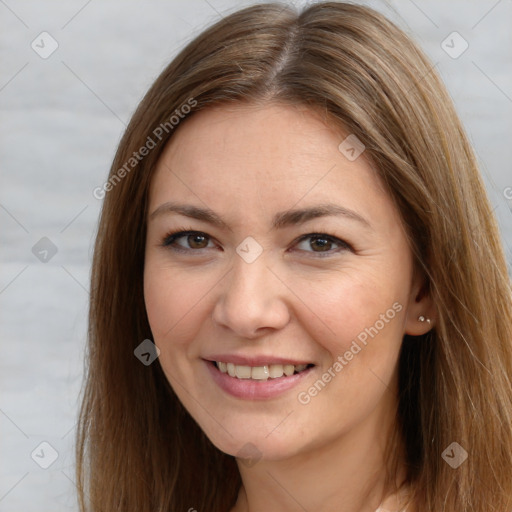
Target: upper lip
(255,360)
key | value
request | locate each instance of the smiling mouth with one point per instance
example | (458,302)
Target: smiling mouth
(262,373)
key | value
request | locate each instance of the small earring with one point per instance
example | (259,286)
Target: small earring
(423,319)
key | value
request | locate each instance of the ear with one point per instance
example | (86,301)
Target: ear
(421,310)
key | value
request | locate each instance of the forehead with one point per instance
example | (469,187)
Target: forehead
(268,157)
(252,139)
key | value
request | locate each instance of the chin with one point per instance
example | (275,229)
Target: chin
(249,446)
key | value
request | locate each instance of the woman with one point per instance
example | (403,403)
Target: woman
(295,218)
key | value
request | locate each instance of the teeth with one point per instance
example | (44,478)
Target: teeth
(272,371)
(288,369)
(260,373)
(275,371)
(243,372)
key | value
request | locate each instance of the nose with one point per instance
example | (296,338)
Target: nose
(252,300)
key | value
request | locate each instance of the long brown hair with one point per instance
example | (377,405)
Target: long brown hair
(137,448)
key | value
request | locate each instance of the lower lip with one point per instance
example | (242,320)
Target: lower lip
(250,389)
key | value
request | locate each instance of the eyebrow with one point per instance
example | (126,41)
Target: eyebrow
(280,220)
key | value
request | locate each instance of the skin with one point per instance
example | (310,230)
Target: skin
(246,163)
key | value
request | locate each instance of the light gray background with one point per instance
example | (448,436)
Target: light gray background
(62,118)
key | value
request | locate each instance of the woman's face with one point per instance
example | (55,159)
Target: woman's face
(297,257)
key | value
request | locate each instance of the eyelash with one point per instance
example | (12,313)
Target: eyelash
(173,236)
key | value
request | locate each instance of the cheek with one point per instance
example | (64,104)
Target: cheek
(173,302)
(361,333)
(350,306)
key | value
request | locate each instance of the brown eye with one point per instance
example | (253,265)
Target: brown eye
(187,241)
(320,244)
(197,241)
